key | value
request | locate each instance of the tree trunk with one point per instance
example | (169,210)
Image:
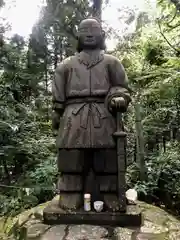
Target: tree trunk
(140,143)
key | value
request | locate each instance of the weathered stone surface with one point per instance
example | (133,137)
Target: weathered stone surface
(155,227)
(108,166)
(83,231)
(174,235)
(70,201)
(73,164)
(158,225)
(53,214)
(35,213)
(111,201)
(123,234)
(36,230)
(70,183)
(151,227)
(133,209)
(157,217)
(108,183)
(173,225)
(150,231)
(55,233)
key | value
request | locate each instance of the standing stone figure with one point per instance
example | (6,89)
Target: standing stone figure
(88,89)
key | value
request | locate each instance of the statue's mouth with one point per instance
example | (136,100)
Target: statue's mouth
(89,39)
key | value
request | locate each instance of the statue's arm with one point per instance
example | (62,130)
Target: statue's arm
(58,96)
(119,85)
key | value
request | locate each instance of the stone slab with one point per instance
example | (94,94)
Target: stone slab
(52,214)
(55,233)
(77,232)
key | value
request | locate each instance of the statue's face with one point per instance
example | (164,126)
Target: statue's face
(90,33)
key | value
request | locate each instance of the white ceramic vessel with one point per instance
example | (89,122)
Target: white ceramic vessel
(98,206)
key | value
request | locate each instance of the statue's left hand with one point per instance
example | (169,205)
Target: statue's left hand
(118,103)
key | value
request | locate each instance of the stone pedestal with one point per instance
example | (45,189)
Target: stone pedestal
(157,225)
(53,214)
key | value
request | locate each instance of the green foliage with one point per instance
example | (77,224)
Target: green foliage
(154,52)
(151,59)
(163,182)
(28,171)
(27,146)
(12,205)
(40,187)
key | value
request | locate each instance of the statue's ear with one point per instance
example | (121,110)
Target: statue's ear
(77,36)
(103,34)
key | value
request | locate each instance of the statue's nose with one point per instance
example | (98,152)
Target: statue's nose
(89,33)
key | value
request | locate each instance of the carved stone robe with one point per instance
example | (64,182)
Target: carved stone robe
(82,89)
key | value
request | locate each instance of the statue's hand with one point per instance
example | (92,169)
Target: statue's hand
(118,104)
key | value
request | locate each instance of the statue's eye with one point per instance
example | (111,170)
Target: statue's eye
(95,29)
(90,29)
(83,29)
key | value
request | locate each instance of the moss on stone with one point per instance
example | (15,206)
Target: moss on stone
(158,225)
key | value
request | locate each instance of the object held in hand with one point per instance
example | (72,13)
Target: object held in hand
(118,103)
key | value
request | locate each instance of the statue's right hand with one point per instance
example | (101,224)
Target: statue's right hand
(118,104)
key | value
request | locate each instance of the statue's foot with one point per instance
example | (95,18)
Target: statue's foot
(68,201)
(70,192)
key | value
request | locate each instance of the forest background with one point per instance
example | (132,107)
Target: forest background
(151,57)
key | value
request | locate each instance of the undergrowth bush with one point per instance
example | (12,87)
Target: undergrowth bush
(35,187)
(35,183)
(163,177)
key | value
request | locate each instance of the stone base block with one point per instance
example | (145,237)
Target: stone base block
(52,214)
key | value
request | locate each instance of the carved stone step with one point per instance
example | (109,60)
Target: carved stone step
(54,215)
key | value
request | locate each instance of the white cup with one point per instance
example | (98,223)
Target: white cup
(98,206)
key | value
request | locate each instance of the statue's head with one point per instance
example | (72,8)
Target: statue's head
(90,35)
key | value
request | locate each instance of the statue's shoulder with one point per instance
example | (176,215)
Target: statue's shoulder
(65,63)
(111,59)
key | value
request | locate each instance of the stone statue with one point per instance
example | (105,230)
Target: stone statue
(88,89)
